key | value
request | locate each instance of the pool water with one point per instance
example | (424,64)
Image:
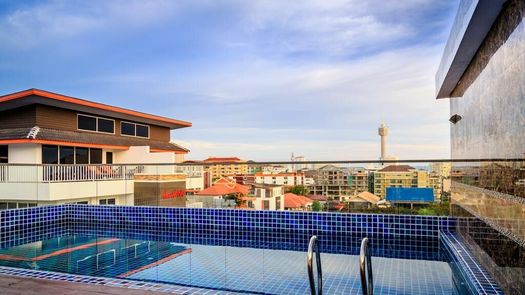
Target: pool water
(248,270)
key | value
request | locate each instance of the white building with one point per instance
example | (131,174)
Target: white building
(268,197)
(58,149)
(285,179)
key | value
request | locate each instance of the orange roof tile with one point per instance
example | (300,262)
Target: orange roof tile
(226,159)
(295,201)
(397,168)
(222,187)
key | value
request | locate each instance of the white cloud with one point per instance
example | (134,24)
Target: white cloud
(59,20)
(263,78)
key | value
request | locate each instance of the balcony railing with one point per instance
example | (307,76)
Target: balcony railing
(67,173)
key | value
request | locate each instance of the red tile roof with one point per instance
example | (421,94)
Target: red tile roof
(225,159)
(262,174)
(397,168)
(294,201)
(224,186)
(320,198)
(365,196)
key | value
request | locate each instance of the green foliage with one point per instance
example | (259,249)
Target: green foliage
(316,206)
(436,209)
(299,190)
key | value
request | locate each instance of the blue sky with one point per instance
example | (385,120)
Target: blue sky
(258,79)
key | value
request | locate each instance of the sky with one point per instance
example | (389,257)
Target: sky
(258,79)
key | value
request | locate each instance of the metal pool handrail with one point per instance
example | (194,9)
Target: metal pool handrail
(367,286)
(314,246)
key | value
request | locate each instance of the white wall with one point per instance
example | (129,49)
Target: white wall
(142,155)
(64,191)
(25,153)
(195,182)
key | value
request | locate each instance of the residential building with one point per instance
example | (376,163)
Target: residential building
(284,179)
(358,179)
(244,179)
(330,181)
(223,167)
(224,193)
(298,163)
(295,202)
(442,169)
(404,176)
(268,197)
(364,200)
(68,139)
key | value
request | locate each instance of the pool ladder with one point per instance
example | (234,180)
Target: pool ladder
(365,267)
(313,246)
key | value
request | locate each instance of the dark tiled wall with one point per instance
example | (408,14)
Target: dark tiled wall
(503,257)
(390,235)
(29,225)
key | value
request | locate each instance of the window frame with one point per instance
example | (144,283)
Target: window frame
(114,127)
(96,124)
(143,125)
(135,124)
(135,129)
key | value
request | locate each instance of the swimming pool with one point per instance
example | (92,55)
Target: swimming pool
(239,269)
(254,252)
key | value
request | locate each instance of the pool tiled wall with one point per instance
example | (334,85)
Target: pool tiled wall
(22,226)
(398,235)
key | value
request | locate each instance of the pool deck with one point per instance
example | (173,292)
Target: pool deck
(11,285)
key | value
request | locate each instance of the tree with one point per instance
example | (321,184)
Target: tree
(299,190)
(316,206)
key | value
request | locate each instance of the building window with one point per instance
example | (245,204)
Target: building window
(4,154)
(133,129)
(14,205)
(142,131)
(106,125)
(109,157)
(266,205)
(110,201)
(52,154)
(49,154)
(90,123)
(81,155)
(87,123)
(67,155)
(95,156)
(127,129)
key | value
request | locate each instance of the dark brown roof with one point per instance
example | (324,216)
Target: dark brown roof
(317,197)
(37,96)
(397,168)
(87,138)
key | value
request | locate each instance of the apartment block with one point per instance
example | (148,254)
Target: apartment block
(404,176)
(268,197)
(79,151)
(224,167)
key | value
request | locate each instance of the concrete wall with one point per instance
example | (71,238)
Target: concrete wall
(142,154)
(26,153)
(65,191)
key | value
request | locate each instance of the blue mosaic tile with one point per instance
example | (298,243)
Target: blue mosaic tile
(478,279)
(398,236)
